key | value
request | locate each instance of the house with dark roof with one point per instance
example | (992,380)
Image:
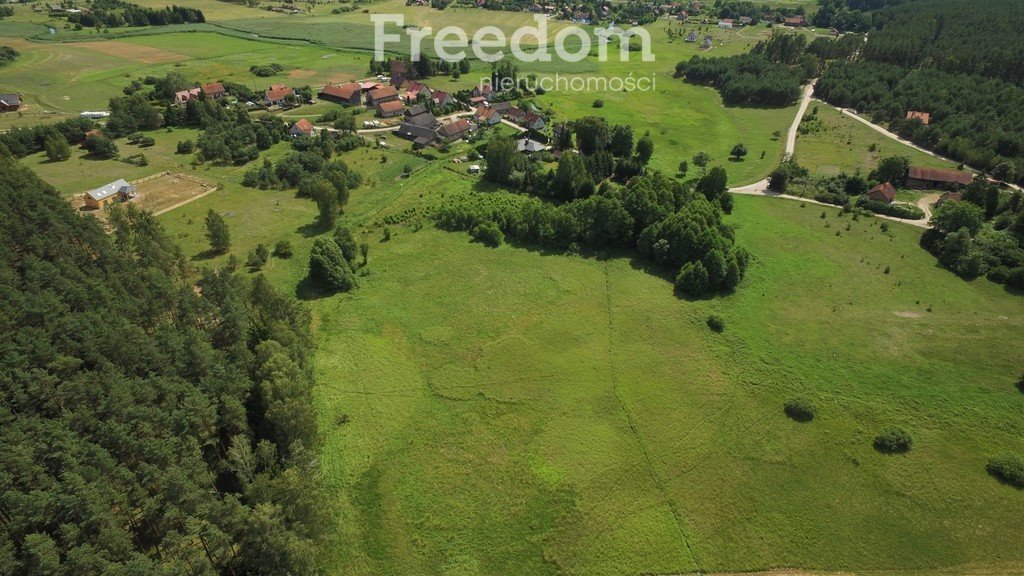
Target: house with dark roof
(10,102)
(301,128)
(381,95)
(390,108)
(795,21)
(215,90)
(277,95)
(918,177)
(884,192)
(924,117)
(348,94)
(426,119)
(413,90)
(455,130)
(484,90)
(420,135)
(415,110)
(515,114)
(501,107)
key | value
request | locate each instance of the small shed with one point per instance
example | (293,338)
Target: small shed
(116,190)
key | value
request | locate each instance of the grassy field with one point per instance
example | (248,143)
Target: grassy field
(501,411)
(842,144)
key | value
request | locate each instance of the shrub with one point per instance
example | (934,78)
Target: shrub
(800,409)
(716,323)
(186,147)
(283,249)
(903,211)
(1008,468)
(328,267)
(488,233)
(893,441)
(598,103)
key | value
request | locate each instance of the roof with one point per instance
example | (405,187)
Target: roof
(424,140)
(390,106)
(886,190)
(924,117)
(416,110)
(383,92)
(370,85)
(183,95)
(940,175)
(527,145)
(10,99)
(414,88)
(485,113)
(304,125)
(278,92)
(411,130)
(427,120)
(532,117)
(501,106)
(213,88)
(455,128)
(109,190)
(441,95)
(343,91)
(397,67)
(950,197)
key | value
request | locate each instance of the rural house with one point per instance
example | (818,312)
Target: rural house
(420,135)
(486,116)
(277,95)
(918,177)
(381,95)
(183,96)
(390,108)
(442,98)
(117,190)
(795,21)
(456,130)
(10,102)
(414,89)
(726,23)
(528,146)
(345,94)
(301,128)
(501,107)
(416,110)
(924,117)
(884,192)
(215,90)
(533,121)
(515,114)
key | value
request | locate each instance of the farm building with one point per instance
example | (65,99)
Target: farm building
(344,94)
(455,130)
(215,90)
(301,128)
(501,107)
(924,117)
(949,197)
(413,90)
(442,98)
(277,95)
(390,108)
(795,21)
(117,190)
(415,110)
(381,95)
(884,192)
(420,135)
(10,102)
(726,23)
(918,177)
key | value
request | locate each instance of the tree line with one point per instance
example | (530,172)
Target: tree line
(117,13)
(772,74)
(677,228)
(149,423)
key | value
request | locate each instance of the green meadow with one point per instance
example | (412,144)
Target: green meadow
(515,411)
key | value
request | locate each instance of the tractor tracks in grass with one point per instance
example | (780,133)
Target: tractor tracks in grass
(655,477)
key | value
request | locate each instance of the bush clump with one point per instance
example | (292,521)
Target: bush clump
(1008,468)
(488,233)
(716,323)
(800,409)
(893,441)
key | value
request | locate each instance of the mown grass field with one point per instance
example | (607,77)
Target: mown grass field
(843,144)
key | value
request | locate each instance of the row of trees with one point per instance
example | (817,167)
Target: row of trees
(117,13)
(146,427)
(770,75)
(679,229)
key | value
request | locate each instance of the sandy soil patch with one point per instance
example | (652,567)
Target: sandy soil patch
(158,195)
(907,314)
(143,54)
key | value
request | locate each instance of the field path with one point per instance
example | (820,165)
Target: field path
(761,188)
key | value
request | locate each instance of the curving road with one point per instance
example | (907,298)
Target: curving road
(761,188)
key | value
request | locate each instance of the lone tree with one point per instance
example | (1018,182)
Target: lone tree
(328,267)
(645,148)
(779,180)
(217,232)
(701,160)
(57,148)
(684,167)
(500,152)
(738,151)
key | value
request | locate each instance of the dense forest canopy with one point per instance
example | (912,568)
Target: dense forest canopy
(117,13)
(962,65)
(148,424)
